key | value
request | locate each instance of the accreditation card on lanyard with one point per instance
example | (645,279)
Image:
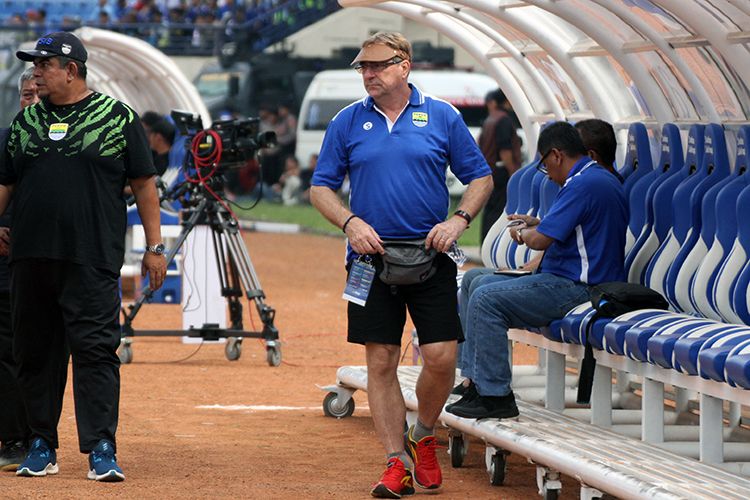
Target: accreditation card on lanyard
(358,285)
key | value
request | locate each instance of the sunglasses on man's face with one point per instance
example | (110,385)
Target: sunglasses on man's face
(376,67)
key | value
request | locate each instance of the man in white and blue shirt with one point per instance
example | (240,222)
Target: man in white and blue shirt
(396,145)
(583,238)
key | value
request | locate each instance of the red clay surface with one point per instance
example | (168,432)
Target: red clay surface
(171,448)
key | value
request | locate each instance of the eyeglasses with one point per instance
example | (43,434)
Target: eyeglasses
(540,166)
(376,67)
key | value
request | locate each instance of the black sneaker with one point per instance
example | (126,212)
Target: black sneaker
(487,407)
(469,394)
(12,454)
(461,389)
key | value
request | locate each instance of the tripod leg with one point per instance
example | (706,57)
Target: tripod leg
(240,258)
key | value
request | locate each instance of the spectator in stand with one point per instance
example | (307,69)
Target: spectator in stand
(105,7)
(286,130)
(128,23)
(227,10)
(270,157)
(203,31)
(289,186)
(121,8)
(104,20)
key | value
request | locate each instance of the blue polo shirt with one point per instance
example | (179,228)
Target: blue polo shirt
(587,220)
(398,177)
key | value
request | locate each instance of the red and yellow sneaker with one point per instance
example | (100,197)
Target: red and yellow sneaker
(427,472)
(395,482)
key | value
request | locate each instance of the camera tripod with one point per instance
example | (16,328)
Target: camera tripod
(236,274)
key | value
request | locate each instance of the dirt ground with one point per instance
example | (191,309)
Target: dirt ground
(263,434)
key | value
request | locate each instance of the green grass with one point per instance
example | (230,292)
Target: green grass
(309,218)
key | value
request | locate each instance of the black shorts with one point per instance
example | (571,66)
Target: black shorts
(432,305)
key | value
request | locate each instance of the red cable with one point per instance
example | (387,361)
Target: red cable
(211,160)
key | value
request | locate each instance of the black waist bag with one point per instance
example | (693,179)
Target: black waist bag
(406,262)
(611,300)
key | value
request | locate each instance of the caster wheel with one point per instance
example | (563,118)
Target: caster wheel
(125,354)
(332,408)
(233,348)
(457,448)
(497,469)
(273,355)
(551,494)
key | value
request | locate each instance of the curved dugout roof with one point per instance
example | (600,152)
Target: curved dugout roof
(652,61)
(138,74)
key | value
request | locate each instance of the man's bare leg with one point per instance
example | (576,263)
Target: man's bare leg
(436,379)
(384,394)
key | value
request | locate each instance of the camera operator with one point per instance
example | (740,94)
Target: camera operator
(160,139)
(65,164)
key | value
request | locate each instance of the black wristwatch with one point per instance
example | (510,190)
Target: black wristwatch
(464,215)
(157,249)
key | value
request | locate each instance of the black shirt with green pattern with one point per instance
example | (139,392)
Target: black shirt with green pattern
(69,165)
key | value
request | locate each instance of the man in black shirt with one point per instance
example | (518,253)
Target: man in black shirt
(14,430)
(501,148)
(65,164)
(160,139)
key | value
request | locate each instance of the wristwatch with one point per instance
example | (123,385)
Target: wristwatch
(520,235)
(464,215)
(157,249)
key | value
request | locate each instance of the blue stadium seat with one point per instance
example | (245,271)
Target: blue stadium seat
(740,302)
(664,213)
(737,366)
(704,225)
(637,165)
(520,254)
(497,241)
(728,234)
(719,228)
(615,333)
(573,325)
(635,341)
(661,345)
(622,324)
(688,199)
(712,356)
(647,243)
(686,347)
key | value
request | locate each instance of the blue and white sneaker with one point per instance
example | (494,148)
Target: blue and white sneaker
(103,464)
(40,461)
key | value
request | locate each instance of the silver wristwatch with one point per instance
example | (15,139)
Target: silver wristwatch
(157,249)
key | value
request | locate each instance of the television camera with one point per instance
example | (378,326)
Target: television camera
(227,144)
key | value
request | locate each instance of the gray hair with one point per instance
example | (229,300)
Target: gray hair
(28,74)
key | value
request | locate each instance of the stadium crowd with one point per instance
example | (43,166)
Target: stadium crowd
(199,24)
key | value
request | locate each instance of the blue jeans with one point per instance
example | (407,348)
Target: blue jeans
(469,282)
(498,303)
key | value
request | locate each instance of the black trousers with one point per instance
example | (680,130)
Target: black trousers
(54,302)
(13,425)
(496,202)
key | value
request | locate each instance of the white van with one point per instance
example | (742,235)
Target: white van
(332,90)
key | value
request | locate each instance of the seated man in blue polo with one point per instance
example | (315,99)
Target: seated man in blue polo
(583,238)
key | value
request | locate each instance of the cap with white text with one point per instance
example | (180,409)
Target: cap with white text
(59,43)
